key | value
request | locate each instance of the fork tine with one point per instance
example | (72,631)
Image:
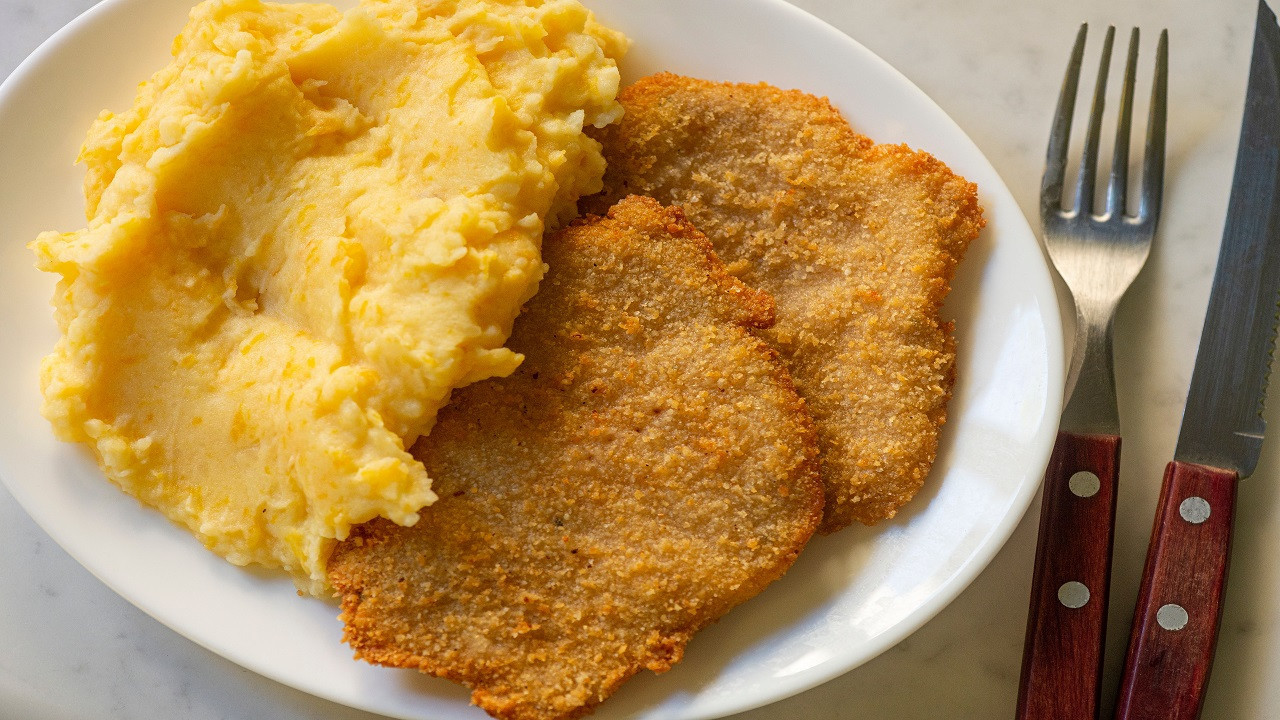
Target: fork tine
(1153,162)
(1089,162)
(1118,187)
(1060,134)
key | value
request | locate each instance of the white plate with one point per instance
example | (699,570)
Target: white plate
(848,598)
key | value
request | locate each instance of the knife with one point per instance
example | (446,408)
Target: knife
(1179,607)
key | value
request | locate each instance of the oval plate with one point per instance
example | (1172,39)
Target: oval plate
(849,597)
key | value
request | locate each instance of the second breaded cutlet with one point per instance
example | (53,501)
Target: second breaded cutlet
(857,242)
(648,467)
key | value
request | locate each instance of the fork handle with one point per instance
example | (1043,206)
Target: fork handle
(1175,623)
(1067,622)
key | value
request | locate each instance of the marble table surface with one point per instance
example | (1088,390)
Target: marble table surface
(71,649)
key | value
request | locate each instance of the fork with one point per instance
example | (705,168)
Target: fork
(1098,252)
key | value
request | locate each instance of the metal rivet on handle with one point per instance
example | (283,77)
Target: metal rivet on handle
(1172,617)
(1084,484)
(1073,594)
(1194,510)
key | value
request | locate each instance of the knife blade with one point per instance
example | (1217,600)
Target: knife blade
(1222,424)
(1179,604)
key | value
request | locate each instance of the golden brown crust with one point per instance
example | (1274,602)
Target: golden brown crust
(647,467)
(857,243)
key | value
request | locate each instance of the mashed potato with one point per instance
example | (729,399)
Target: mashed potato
(308,229)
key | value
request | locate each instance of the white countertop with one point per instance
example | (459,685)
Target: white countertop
(71,649)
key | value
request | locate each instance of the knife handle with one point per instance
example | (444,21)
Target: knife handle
(1175,624)
(1067,621)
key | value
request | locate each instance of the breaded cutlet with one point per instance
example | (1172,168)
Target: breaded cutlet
(857,242)
(648,467)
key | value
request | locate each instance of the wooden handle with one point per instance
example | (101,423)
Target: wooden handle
(1175,624)
(1067,622)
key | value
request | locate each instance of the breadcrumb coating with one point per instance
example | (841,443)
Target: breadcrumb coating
(857,242)
(648,467)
